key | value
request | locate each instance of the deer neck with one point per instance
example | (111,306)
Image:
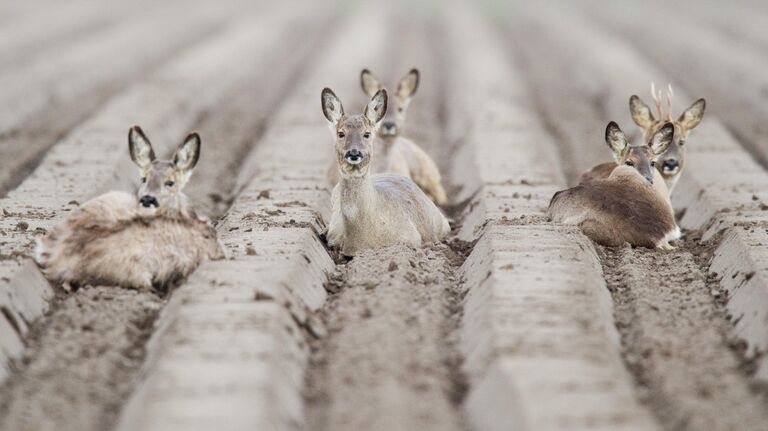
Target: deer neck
(358,197)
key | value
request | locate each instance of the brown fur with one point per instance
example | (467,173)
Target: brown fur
(623,208)
(624,201)
(650,124)
(604,170)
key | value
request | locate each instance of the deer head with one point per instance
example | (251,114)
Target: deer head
(641,157)
(162,180)
(671,163)
(354,134)
(394,122)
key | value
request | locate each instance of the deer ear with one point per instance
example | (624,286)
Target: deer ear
(188,153)
(662,138)
(409,83)
(615,139)
(369,83)
(140,148)
(693,115)
(331,104)
(377,107)
(641,113)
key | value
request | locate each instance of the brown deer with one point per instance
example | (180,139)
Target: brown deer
(671,163)
(624,207)
(397,154)
(373,210)
(144,241)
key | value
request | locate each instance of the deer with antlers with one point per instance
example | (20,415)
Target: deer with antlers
(670,164)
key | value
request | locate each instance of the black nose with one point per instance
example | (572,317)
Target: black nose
(353,155)
(148,201)
(671,164)
(389,126)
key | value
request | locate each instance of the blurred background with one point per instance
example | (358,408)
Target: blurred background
(63,62)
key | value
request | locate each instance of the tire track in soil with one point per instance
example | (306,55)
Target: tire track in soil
(390,360)
(83,356)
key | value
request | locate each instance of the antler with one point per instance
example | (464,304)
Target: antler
(656,99)
(656,95)
(670,94)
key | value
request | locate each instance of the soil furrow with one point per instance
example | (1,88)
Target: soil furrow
(676,341)
(389,359)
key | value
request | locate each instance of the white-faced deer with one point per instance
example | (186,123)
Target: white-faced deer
(624,207)
(118,238)
(373,210)
(671,163)
(395,153)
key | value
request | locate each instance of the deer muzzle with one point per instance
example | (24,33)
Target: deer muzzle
(148,201)
(353,156)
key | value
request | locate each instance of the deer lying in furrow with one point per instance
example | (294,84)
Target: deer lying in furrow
(395,153)
(150,240)
(373,210)
(624,207)
(671,163)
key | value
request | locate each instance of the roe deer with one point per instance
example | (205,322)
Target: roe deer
(373,210)
(397,154)
(671,163)
(624,207)
(140,242)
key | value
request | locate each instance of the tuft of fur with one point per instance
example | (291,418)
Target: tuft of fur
(109,240)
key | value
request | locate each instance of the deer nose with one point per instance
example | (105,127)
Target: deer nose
(354,156)
(670,164)
(389,127)
(148,201)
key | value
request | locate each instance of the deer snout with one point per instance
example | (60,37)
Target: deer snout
(670,165)
(148,201)
(353,156)
(388,128)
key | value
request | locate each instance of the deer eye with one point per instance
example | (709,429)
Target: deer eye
(341,134)
(629,163)
(653,163)
(367,135)
(169,183)
(143,179)
(681,143)
(399,109)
